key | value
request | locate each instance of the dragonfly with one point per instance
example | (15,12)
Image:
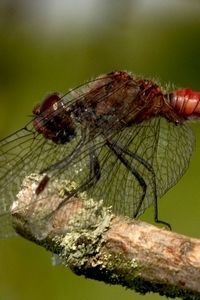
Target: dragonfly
(120,137)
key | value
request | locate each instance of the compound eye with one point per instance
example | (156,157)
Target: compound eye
(49,102)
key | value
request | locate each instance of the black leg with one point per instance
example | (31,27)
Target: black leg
(63,163)
(119,152)
(95,171)
(94,176)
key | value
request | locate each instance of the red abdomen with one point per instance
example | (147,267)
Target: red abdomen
(186,102)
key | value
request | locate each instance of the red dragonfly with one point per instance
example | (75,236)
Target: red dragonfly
(120,137)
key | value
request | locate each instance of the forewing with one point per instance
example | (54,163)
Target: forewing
(21,154)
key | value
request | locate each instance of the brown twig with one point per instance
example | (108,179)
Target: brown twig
(93,242)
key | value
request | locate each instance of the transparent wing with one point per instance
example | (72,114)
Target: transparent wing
(21,154)
(159,143)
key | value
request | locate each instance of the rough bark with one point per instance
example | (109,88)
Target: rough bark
(89,239)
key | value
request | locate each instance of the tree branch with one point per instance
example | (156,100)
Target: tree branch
(88,238)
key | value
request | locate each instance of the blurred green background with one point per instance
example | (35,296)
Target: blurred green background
(55,45)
